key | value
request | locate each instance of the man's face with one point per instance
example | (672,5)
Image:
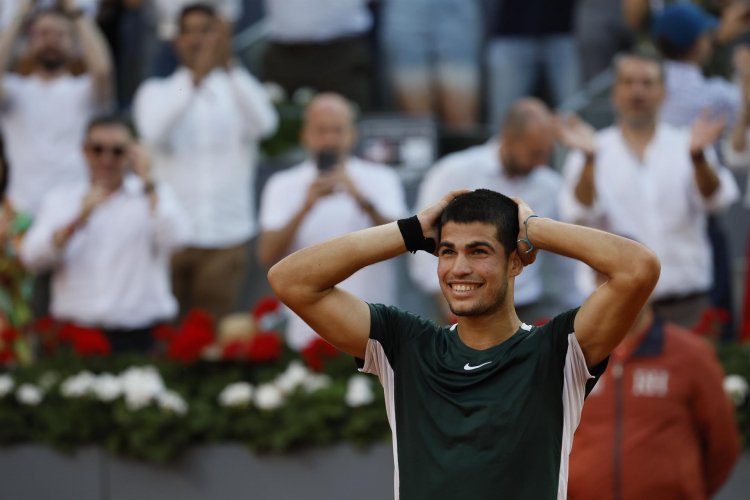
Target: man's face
(328,127)
(50,42)
(472,268)
(106,150)
(195,32)
(638,91)
(523,152)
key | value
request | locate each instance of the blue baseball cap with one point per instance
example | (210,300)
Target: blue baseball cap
(682,24)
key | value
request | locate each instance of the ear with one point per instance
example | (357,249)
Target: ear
(515,264)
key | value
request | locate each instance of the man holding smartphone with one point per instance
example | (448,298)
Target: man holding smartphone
(329,194)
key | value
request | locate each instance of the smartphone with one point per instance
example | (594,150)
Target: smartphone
(326,160)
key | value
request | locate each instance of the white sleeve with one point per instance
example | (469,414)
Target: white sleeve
(158,105)
(38,251)
(728,191)
(261,118)
(279,202)
(171,222)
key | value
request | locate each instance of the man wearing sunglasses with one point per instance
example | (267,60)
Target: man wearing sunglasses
(108,241)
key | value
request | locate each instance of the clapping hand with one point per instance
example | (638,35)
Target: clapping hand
(706,130)
(575,133)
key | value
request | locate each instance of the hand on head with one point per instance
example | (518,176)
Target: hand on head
(525,249)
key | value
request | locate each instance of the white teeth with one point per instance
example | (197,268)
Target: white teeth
(463,288)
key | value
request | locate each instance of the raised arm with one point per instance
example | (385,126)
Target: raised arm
(631,270)
(8,38)
(95,51)
(306,280)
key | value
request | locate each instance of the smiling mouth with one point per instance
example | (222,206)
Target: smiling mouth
(463,287)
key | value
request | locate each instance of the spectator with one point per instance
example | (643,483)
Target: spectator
(650,180)
(167,12)
(684,34)
(657,425)
(526,45)
(203,124)
(15,281)
(432,53)
(328,195)
(108,241)
(515,165)
(322,45)
(43,145)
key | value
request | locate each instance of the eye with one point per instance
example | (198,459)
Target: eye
(445,251)
(479,251)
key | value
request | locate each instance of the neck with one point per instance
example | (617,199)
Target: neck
(486,331)
(638,136)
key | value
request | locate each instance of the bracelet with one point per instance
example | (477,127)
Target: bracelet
(525,239)
(411,232)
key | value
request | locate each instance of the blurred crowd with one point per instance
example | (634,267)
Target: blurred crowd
(130,150)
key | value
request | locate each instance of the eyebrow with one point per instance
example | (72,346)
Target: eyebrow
(472,245)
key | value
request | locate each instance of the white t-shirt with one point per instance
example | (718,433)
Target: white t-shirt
(114,271)
(334,215)
(204,143)
(43,124)
(655,202)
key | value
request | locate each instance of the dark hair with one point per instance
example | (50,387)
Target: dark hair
(4,170)
(673,51)
(488,207)
(108,120)
(642,55)
(197,7)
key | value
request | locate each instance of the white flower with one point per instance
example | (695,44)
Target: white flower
(236,395)
(303,95)
(78,385)
(107,387)
(736,388)
(140,386)
(294,376)
(171,401)
(6,385)
(268,397)
(316,382)
(275,92)
(48,379)
(359,391)
(29,394)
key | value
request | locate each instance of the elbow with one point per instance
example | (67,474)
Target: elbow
(646,270)
(281,281)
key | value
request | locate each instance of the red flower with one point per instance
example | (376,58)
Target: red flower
(45,324)
(164,332)
(7,356)
(85,341)
(235,349)
(265,346)
(8,335)
(712,322)
(316,352)
(194,335)
(268,304)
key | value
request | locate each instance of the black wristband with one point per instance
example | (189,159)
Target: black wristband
(411,231)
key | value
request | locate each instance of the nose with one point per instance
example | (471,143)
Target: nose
(461,266)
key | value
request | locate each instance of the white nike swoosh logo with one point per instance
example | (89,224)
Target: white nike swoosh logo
(468,367)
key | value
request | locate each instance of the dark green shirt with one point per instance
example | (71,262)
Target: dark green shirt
(479,425)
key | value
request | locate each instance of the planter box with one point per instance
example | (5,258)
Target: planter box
(214,472)
(222,472)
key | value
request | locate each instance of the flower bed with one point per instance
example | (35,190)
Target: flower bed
(236,384)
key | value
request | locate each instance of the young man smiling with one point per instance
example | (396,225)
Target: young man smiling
(487,406)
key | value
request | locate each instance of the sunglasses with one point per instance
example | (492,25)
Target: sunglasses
(100,149)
